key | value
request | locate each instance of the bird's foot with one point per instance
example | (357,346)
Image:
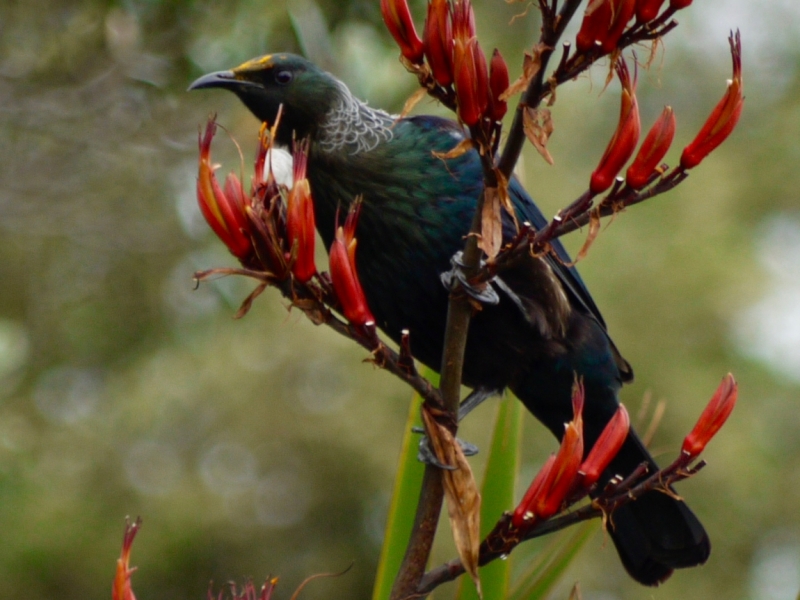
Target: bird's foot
(483,292)
(426,455)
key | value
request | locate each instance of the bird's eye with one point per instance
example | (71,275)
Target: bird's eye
(284,77)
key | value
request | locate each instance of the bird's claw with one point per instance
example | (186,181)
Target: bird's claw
(426,455)
(483,292)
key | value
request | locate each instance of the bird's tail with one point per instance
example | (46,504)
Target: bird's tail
(657,533)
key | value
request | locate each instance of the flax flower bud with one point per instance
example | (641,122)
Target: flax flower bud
(498,83)
(653,150)
(647,10)
(397,17)
(342,258)
(438,41)
(723,118)
(605,448)
(300,219)
(550,487)
(223,209)
(625,138)
(622,11)
(121,588)
(595,25)
(472,80)
(713,417)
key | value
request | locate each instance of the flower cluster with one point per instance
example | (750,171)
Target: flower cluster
(606,21)
(344,277)
(271,229)
(646,166)
(566,477)
(455,60)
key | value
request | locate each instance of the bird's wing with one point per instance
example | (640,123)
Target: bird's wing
(429,130)
(526,209)
(560,263)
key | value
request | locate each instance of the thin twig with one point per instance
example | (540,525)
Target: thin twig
(552,29)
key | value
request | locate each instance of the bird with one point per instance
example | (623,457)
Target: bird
(417,206)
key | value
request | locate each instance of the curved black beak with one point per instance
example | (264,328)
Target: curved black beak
(220,79)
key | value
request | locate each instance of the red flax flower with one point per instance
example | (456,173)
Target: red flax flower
(472,81)
(463,20)
(647,10)
(603,24)
(397,17)
(224,210)
(551,485)
(623,11)
(343,271)
(605,448)
(438,41)
(498,83)
(653,150)
(625,138)
(595,25)
(723,118)
(121,588)
(300,218)
(471,73)
(713,417)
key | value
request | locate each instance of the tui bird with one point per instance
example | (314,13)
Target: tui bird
(417,207)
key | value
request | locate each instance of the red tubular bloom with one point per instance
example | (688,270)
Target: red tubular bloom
(264,144)
(595,25)
(605,448)
(623,11)
(647,10)
(224,210)
(523,512)
(713,417)
(653,150)
(498,83)
(625,138)
(463,20)
(472,81)
(121,588)
(471,74)
(679,4)
(554,481)
(300,218)
(397,17)
(342,258)
(438,41)
(723,118)
(561,475)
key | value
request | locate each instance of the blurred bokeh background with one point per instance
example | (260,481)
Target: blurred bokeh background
(265,446)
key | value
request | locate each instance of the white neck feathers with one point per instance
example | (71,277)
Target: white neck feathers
(352,126)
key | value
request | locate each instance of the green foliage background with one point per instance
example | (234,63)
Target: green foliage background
(265,446)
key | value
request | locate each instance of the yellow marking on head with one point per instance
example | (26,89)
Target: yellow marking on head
(255,64)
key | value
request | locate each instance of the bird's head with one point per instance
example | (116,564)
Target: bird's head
(263,84)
